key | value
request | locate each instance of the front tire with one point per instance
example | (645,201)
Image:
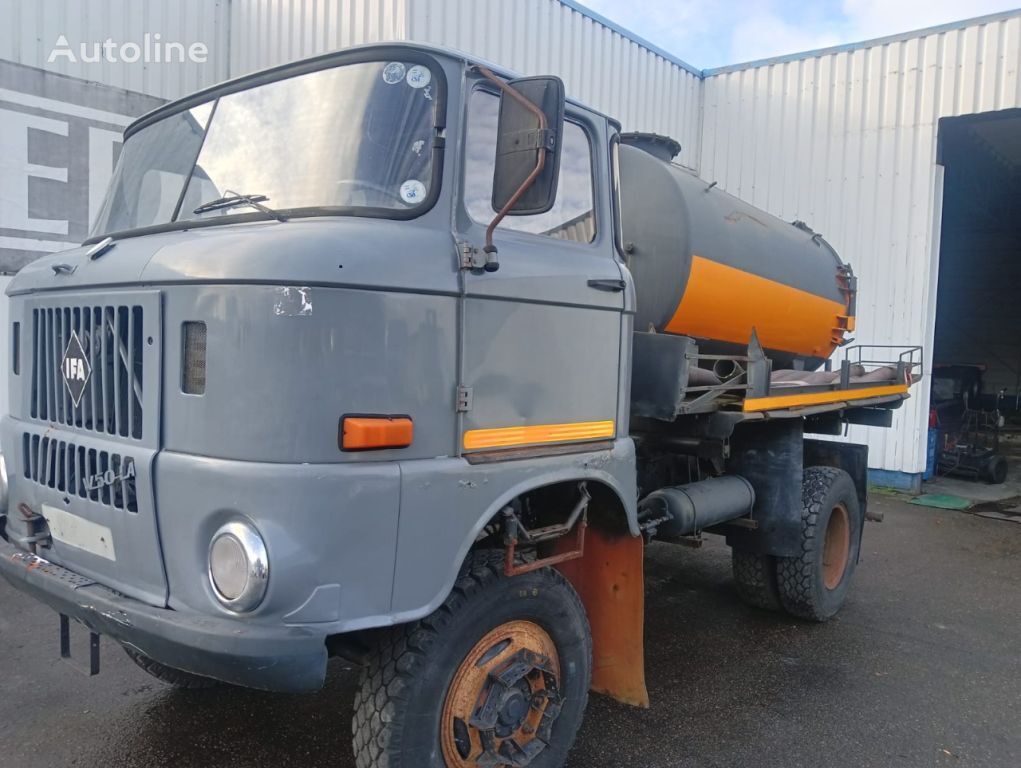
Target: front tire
(813,585)
(501,669)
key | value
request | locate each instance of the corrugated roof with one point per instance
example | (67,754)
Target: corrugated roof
(900,37)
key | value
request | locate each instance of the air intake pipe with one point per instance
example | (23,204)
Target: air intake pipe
(696,506)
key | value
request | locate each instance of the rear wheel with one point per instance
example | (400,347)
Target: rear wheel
(995,470)
(755,579)
(498,675)
(813,585)
(170,676)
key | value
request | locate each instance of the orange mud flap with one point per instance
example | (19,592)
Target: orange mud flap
(610,579)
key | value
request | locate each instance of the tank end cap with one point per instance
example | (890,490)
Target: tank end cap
(657,145)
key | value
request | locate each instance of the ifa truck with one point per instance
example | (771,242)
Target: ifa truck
(392,355)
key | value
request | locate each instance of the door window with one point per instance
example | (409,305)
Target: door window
(572,216)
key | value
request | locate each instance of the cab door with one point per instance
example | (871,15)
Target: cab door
(541,336)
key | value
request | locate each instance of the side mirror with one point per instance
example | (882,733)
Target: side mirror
(528,146)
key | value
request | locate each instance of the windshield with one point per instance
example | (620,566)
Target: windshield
(353,138)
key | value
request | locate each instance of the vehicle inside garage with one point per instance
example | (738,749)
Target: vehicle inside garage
(975,417)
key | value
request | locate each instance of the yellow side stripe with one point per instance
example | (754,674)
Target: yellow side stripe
(506,437)
(755,404)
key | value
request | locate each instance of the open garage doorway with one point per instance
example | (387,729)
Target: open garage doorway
(976,388)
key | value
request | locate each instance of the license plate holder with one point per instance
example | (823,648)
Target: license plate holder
(89,669)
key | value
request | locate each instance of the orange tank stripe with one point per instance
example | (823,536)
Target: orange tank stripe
(795,400)
(508,437)
(724,303)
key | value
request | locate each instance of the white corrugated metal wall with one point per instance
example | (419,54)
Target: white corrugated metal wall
(846,141)
(642,87)
(30,32)
(264,33)
(599,64)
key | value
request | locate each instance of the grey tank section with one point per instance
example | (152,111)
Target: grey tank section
(670,216)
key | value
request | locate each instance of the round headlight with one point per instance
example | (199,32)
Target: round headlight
(238,566)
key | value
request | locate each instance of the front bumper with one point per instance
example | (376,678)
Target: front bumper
(279,658)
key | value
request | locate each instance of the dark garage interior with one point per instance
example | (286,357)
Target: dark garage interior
(976,390)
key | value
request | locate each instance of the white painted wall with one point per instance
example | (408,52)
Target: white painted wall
(32,28)
(845,140)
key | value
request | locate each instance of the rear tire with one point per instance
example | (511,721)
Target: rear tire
(425,680)
(170,676)
(813,585)
(995,470)
(755,579)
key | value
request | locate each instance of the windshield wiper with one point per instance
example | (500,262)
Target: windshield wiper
(233,199)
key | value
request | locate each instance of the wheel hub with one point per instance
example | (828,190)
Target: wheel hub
(503,700)
(513,709)
(836,547)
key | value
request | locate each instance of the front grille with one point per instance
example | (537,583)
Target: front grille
(112,339)
(75,470)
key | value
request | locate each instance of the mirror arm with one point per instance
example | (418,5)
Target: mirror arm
(492,264)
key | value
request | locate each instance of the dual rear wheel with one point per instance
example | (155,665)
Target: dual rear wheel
(813,584)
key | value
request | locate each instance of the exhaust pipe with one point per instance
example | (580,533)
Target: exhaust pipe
(696,506)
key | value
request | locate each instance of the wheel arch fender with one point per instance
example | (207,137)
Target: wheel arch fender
(616,491)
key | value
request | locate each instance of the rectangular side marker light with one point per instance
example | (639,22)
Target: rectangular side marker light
(367,433)
(193,364)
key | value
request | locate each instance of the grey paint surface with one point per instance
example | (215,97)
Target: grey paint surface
(670,215)
(443,501)
(327,527)
(922,660)
(286,363)
(526,323)
(315,318)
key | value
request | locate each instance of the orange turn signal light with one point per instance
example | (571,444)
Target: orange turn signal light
(366,433)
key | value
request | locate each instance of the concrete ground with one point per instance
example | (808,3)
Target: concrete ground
(922,668)
(1001,501)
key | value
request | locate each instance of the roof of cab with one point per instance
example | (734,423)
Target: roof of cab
(323,61)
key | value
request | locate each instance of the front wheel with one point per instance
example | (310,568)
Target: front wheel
(498,675)
(813,585)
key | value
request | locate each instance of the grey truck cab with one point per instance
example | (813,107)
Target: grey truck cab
(385,354)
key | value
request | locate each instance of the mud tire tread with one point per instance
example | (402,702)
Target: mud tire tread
(796,575)
(755,579)
(403,652)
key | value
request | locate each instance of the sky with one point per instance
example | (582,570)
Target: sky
(713,33)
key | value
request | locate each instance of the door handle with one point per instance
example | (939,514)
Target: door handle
(607,284)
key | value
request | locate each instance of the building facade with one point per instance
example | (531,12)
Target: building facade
(844,139)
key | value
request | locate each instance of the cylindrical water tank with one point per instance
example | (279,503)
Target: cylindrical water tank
(709,266)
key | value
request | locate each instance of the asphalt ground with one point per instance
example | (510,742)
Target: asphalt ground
(922,668)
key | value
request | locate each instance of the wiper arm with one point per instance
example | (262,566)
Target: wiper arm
(233,199)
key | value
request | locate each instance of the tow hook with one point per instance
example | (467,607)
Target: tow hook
(38,535)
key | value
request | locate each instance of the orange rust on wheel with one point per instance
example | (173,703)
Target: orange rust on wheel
(836,547)
(462,743)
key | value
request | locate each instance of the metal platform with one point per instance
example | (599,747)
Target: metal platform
(672,379)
